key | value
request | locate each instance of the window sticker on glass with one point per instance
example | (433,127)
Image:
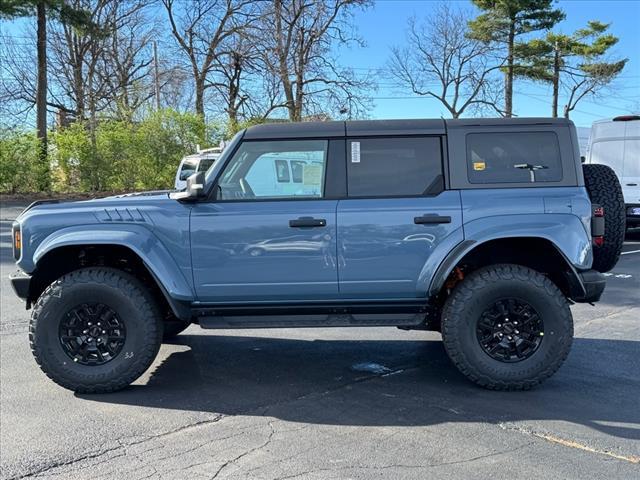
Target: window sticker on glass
(355,152)
(479,165)
(312,174)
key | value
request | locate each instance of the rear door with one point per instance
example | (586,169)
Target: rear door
(394,217)
(631,171)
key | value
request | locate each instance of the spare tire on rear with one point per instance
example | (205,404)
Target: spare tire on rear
(605,190)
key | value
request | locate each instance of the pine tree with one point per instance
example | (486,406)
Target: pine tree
(571,60)
(503,22)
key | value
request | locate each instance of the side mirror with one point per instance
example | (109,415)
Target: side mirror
(194,190)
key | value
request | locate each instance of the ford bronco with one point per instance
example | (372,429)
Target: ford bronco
(485,230)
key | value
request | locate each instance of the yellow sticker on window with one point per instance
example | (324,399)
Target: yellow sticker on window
(479,165)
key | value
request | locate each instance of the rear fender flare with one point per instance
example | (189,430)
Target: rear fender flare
(565,232)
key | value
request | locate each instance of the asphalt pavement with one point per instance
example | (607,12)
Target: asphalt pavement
(375,403)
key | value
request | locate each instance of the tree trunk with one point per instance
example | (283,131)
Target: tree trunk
(556,81)
(283,68)
(156,75)
(200,95)
(44,181)
(508,81)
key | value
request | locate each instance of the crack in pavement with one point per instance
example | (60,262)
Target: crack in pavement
(314,394)
(407,466)
(608,316)
(100,453)
(568,443)
(248,452)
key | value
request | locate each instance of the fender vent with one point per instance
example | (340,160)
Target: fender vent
(121,215)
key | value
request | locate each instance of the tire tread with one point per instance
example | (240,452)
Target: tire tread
(139,295)
(464,294)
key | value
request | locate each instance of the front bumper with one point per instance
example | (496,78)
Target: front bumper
(588,286)
(21,283)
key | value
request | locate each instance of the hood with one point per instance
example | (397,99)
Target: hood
(133,199)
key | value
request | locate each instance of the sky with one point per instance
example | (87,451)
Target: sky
(384,26)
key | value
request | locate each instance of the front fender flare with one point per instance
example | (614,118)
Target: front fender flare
(139,239)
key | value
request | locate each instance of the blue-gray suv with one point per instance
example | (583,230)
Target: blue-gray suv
(483,229)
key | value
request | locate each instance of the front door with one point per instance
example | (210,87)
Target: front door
(395,217)
(270,234)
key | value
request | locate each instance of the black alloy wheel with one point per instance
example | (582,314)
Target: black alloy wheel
(510,330)
(92,334)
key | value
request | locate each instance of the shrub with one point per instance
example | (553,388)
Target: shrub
(19,167)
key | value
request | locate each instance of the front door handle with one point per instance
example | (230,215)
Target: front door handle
(430,218)
(307,222)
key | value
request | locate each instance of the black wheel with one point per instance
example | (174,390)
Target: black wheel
(507,327)
(605,190)
(95,330)
(173,327)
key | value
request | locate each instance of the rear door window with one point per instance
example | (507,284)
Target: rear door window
(518,157)
(400,166)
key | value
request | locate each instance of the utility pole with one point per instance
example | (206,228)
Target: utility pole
(156,75)
(41,98)
(556,79)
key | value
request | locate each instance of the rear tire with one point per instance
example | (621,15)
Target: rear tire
(95,330)
(605,190)
(546,324)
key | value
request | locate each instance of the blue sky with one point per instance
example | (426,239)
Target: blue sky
(384,25)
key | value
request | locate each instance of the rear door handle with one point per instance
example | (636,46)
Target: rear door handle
(307,222)
(430,218)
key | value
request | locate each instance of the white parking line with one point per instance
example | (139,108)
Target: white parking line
(618,275)
(632,251)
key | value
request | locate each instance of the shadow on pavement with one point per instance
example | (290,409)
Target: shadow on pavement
(312,382)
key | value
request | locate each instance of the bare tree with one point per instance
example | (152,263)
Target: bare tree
(442,62)
(99,68)
(127,58)
(299,37)
(231,74)
(200,28)
(76,59)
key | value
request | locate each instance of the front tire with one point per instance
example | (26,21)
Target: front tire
(507,327)
(95,330)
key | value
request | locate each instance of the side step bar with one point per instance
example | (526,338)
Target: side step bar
(409,314)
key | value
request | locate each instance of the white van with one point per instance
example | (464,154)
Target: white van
(616,143)
(198,162)
(287,173)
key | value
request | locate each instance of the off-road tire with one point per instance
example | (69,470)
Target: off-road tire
(471,297)
(172,328)
(605,190)
(121,292)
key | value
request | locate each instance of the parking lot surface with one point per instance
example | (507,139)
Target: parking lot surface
(336,403)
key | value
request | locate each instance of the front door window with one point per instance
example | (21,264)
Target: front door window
(275,170)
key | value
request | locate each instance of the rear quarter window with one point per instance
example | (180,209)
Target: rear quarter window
(517,157)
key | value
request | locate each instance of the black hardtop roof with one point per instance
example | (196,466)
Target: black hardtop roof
(363,128)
